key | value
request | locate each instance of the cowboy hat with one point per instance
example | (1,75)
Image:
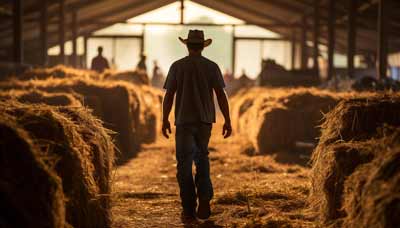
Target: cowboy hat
(196,37)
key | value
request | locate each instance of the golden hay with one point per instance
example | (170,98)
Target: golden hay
(348,158)
(31,194)
(130,110)
(151,109)
(39,97)
(136,77)
(83,152)
(372,192)
(59,71)
(280,118)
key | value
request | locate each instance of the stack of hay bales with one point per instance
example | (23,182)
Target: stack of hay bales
(355,167)
(137,77)
(34,96)
(59,71)
(68,157)
(280,118)
(132,111)
(31,193)
(275,75)
(151,100)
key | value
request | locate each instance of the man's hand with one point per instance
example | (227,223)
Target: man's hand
(166,128)
(227,130)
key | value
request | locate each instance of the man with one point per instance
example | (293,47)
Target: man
(99,63)
(193,79)
(142,63)
(158,79)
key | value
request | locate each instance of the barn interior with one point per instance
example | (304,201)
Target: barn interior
(313,89)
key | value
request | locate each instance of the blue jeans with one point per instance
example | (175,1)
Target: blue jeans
(192,145)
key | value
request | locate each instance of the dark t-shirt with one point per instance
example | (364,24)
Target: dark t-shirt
(99,64)
(194,78)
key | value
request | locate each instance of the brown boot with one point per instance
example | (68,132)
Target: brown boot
(204,210)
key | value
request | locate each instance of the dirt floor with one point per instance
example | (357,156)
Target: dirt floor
(250,191)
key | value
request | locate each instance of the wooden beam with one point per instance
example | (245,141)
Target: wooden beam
(142,44)
(18,31)
(233,51)
(309,11)
(304,51)
(75,27)
(316,36)
(331,38)
(61,30)
(267,25)
(359,9)
(85,52)
(293,57)
(43,33)
(116,36)
(351,36)
(260,38)
(182,11)
(246,9)
(383,16)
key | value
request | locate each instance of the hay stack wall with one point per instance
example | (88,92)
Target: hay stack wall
(59,71)
(132,111)
(355,175)
(77,150)
(279,118)
(137,77)
(31,194)
(40,97)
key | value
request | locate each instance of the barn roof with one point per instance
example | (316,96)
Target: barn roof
(281,16)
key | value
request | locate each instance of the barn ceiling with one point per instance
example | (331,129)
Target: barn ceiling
(281,16)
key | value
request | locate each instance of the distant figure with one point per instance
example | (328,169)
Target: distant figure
(193,79)
(240,83)
(228,76)
(99,63)
(158,79)
(228,79)
(142,63)
(244,80)
(271,73)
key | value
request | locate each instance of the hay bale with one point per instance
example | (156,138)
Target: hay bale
(151,109)
(84,154)
(59,71)
(239,104)
(40,97)
(273,74)
(137,77)
(280,118)
(31,193)
(372,192)
(111,102)
(132,111)
(351,140)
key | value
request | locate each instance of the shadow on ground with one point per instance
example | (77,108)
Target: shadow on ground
(201,224)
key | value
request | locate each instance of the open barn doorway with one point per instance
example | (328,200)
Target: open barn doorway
(122,51)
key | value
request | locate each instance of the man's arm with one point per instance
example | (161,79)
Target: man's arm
(224,106)
(167,106)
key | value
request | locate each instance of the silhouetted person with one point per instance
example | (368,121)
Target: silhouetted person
(99,63)
(142,63)
(193,79)
(244,80)
(158,79)
(228,76)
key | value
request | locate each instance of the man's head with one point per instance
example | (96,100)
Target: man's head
(195,47)
(100,50)
(195,41)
